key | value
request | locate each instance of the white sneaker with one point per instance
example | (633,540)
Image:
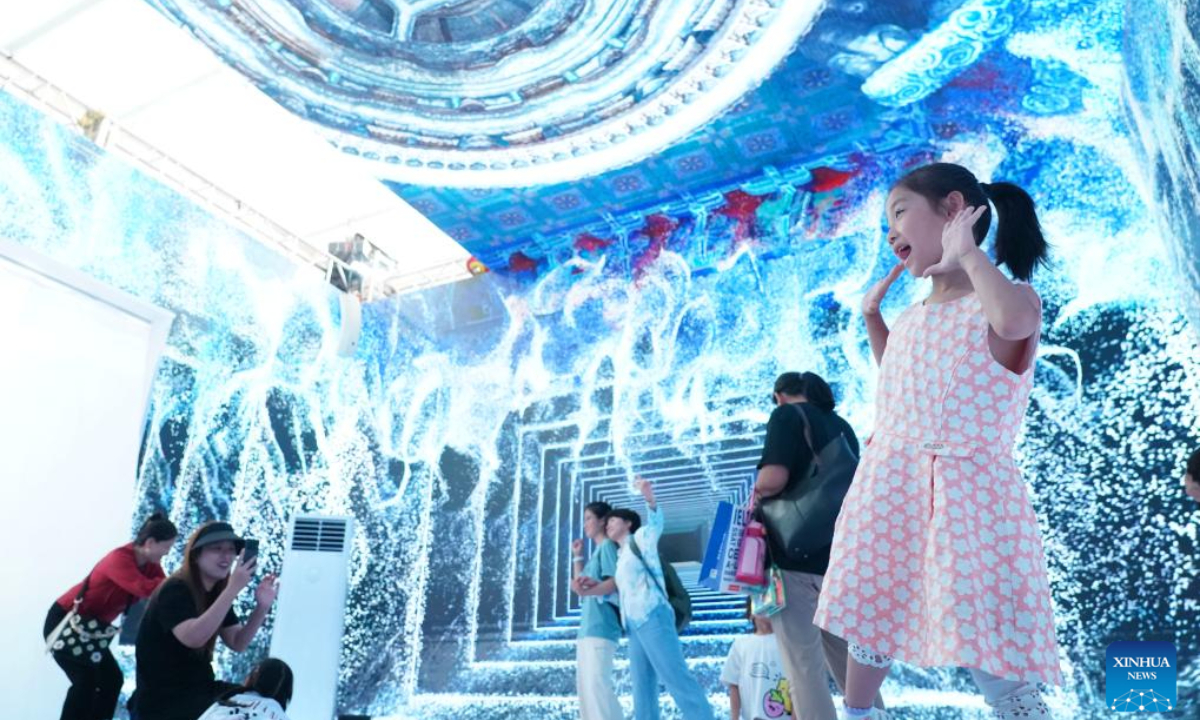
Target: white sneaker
(1026,705)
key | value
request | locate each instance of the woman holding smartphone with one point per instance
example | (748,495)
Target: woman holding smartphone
(185,617)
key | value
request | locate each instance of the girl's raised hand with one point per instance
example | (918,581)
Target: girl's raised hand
(958,239)
(874,297)
(646,488)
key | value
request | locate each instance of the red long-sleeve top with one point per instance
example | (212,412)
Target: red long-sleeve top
(115,583)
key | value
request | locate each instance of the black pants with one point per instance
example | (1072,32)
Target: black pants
(189,707)
(95,687)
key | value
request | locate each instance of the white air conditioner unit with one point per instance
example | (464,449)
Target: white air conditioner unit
(310,613)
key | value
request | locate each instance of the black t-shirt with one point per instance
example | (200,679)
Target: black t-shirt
(174,682)
(786,446)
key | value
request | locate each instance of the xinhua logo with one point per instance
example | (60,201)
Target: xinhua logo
(1140,676)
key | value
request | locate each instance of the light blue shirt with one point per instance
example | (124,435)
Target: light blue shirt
(639,590)
(598,613)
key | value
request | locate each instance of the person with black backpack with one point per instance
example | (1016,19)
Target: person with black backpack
(655,606)
(807,463)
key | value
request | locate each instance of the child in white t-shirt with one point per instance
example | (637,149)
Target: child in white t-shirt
(265,695)
(758,689)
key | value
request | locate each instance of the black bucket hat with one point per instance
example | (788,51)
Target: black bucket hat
(215,532)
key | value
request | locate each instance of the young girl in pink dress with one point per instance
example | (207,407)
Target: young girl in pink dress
(937,558)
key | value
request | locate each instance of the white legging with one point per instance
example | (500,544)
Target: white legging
(1009,699)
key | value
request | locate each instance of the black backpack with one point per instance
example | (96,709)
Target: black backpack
(676,594)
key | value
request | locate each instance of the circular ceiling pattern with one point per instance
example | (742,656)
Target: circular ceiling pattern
(501,93)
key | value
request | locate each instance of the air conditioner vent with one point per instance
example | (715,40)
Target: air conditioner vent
(319,535)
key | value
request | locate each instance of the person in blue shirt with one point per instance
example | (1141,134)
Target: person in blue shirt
(655,652)
(599,625)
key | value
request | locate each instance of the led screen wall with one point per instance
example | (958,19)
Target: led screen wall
(476,419)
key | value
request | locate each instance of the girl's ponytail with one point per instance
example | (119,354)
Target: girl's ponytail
(1019,241)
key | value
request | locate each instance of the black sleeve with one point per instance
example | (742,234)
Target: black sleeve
(174,605)
(785,444)
(231,618)
(851,438)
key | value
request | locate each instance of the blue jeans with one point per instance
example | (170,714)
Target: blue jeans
(655,654)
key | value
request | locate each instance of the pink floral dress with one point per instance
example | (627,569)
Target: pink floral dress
(937,558)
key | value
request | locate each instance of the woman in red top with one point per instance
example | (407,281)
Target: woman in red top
(122,577)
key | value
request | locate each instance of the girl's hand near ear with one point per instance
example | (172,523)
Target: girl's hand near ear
(874,297)
(958,240)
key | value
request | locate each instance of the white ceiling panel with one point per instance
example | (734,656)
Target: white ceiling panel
(154,80)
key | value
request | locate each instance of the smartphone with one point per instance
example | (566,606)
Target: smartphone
(250,552)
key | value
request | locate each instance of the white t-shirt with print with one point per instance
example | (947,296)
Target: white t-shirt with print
(252,707)
(754,666)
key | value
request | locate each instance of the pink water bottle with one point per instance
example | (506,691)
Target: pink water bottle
(752,555)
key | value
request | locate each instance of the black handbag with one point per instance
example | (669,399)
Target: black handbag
(800,519)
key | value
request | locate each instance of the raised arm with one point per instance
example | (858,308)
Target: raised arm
(196,632)
(238,637)
(648,534)
(1013,309)
(877,329)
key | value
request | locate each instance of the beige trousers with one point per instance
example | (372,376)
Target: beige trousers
(594,679)
(810,655)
